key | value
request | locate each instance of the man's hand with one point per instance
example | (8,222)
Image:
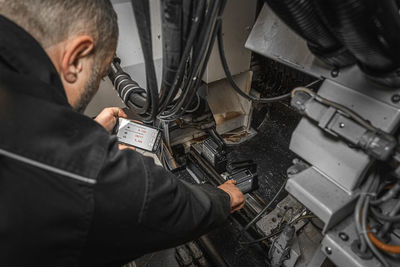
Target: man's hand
(123,147)
(237,197)
(109,116)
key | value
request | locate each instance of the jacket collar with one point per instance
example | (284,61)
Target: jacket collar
(23,60)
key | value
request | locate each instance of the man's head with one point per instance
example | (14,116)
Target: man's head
(80,37)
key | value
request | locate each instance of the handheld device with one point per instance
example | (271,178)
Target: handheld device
(138,135)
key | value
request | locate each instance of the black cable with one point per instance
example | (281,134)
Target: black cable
(261,213)
(194,79)
(232,82)
(388,224)
(280,230)
(212,252)
(194,64)
(218,22)
(261,239)
(141,9)
(172,32)
(389,195)
(388,218)
(316,226)
(358,207)
(196,20)
(372,247)
(284,215)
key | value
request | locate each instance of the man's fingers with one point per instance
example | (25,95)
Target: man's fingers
(108,117)
(236,196)
(240,206)
(122,147)
(117,112)
(122,114)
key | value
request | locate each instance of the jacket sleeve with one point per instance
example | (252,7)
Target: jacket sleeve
(140,207)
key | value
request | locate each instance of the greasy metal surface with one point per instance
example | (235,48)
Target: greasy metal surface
(236,255)
(272,220)
(270,149)
(226,243)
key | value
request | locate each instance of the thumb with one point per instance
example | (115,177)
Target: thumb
(121,113)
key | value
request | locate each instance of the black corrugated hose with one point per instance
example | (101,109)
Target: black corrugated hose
(369,30)
(301,16)
(130,92)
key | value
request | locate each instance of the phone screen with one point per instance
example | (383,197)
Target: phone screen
(138,135)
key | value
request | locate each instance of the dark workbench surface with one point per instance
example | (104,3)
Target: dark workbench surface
(270,150)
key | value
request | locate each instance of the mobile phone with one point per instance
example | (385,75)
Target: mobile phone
(138,135)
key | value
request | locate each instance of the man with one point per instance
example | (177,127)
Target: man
(68,195)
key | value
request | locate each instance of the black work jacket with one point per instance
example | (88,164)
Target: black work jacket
(68,196)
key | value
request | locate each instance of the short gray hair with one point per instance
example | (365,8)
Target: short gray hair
(53,21)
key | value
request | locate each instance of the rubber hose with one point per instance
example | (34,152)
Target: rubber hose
(378,215)
(128,90)
(301,16)
(141,9)
(172,18)
(388,26)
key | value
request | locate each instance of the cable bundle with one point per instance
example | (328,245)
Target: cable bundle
(366,212)
(189,32)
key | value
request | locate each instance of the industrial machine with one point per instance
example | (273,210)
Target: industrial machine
(298,100)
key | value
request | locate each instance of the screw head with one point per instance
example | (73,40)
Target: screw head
(328,250)
(343,236)
(341,125)
(335,73)
(396,98)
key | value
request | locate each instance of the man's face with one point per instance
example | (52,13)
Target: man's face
(81,68)
(93,78)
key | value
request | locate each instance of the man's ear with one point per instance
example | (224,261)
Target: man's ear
(77,51)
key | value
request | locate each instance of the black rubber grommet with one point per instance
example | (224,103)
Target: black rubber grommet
(355,247)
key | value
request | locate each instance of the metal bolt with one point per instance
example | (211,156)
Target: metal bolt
(328,250)
(341,125)
(335,73)
(396,98)
(343,236)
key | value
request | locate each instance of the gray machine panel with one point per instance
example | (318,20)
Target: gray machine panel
(320,195)
(350,87)
(332,157)
(340,251)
